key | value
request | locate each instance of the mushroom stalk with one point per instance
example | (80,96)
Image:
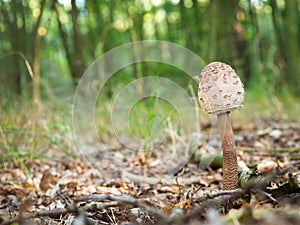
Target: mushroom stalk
(230,166)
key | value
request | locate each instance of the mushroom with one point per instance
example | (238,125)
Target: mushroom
(221,91)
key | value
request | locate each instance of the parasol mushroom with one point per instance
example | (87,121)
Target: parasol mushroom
(221,91)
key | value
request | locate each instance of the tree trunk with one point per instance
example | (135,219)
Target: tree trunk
(73,50)
(78,62)
(286,28)
(36,54)
(292,59)
(222,40)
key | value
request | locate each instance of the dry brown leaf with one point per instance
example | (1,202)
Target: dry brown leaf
(49,179)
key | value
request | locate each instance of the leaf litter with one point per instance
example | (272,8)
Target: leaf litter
(137,188)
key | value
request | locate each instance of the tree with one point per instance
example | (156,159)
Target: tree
(21,35)
(72,41)
(222,38)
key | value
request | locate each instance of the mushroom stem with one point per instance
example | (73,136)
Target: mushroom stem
(230,166)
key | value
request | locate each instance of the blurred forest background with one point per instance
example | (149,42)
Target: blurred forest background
(59,39)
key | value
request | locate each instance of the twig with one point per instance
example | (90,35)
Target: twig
(125,199)
(279,150)
(268,195)
(164,181)
(27,64)
(225,193)
(103,197)
(54,213)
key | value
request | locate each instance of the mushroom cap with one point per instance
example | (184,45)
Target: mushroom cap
(220,89)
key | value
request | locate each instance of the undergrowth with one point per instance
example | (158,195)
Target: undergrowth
(29,130)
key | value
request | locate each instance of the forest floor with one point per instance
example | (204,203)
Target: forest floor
(135,188)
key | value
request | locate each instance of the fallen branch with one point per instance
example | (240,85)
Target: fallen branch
(164,181)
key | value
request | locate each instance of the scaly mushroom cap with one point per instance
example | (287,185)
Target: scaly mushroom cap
(220,89)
